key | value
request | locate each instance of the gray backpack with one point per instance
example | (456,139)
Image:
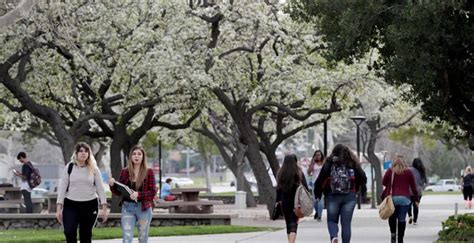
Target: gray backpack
(303,202)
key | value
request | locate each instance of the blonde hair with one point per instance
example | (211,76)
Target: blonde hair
(468,170)
(90,161)
(399,165)
(139,181)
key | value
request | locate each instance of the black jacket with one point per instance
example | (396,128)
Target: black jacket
(322,183)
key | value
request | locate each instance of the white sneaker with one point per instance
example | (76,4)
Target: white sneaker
(334,240)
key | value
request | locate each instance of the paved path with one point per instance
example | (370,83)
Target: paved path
(366,226)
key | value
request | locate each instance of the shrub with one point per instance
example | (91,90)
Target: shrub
(458,228)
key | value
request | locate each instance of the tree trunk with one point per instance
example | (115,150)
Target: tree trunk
(234,163)
(374,161)
(266,192)
(116,149)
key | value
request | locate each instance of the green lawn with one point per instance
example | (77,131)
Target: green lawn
(56,235)
(441,193)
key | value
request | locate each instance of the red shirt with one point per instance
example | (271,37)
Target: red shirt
(401,183)
(146,195)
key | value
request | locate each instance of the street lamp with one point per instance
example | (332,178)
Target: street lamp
(160,165)
(358,121)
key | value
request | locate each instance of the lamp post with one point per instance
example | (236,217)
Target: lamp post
(358,121)
(159,164)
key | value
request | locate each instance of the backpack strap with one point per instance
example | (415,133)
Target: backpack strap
(69,170)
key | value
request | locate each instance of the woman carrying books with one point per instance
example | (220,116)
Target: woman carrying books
(137,187)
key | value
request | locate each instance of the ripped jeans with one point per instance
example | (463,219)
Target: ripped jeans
(132,215)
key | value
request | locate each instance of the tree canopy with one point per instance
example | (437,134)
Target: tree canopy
(427,44)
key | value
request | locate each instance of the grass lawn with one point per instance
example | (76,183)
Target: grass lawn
(57,235)
(441,193)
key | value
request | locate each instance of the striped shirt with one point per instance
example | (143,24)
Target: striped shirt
(83,186)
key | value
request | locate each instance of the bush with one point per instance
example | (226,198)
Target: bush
(458,228)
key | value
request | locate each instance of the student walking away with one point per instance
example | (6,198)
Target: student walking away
(78,193)
(25,175)
(136,208)
(289,177)
(339,180)
(419,172)
(314,170)
(467,186)
(403,182)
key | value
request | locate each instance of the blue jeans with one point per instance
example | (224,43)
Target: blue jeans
(401,212)
(318,206)
(340,206)
(132,215)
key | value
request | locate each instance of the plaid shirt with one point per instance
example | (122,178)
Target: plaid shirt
(146,195)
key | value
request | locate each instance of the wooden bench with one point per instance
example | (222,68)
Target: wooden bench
(201,206)
(10,208)
(37,204)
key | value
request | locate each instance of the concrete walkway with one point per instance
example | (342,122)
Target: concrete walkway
(366,226)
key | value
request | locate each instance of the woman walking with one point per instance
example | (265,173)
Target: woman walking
(419,172)
(77,204)
(289,177)
(136,208)
(340,178)
(314,170)
(467,184)
(399,181)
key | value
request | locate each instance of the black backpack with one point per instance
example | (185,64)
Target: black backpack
(342,179)
(35,177)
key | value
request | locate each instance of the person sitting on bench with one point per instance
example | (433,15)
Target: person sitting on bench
(166,191)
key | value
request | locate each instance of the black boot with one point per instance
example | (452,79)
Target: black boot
(401,231)
(393,238)
(392,222)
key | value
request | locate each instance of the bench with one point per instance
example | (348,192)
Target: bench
(201,206)
(11,193)
(10,208)
(37,205)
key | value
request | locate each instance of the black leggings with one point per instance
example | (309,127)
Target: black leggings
(467,192)
(291,221)
(415,209)
(82,214)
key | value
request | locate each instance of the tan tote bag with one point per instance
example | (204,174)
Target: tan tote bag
(386,207)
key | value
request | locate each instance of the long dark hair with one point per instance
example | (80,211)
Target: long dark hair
(311,165)
(289,174)
(342,154)
(418,165)
(142,173)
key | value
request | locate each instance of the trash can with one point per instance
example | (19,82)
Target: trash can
(240,200)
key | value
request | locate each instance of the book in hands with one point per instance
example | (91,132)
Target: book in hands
(124,190)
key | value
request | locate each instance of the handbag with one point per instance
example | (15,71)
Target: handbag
(277,212)
(303,202)
(386,207)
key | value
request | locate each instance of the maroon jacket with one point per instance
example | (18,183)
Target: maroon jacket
(401,184)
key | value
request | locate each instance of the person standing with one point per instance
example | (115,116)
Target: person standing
(25,175)
(136,208)
(314,170)
(339,180)
(467,185)
(78,193)
(419,172)
(289,177)
(403,181)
